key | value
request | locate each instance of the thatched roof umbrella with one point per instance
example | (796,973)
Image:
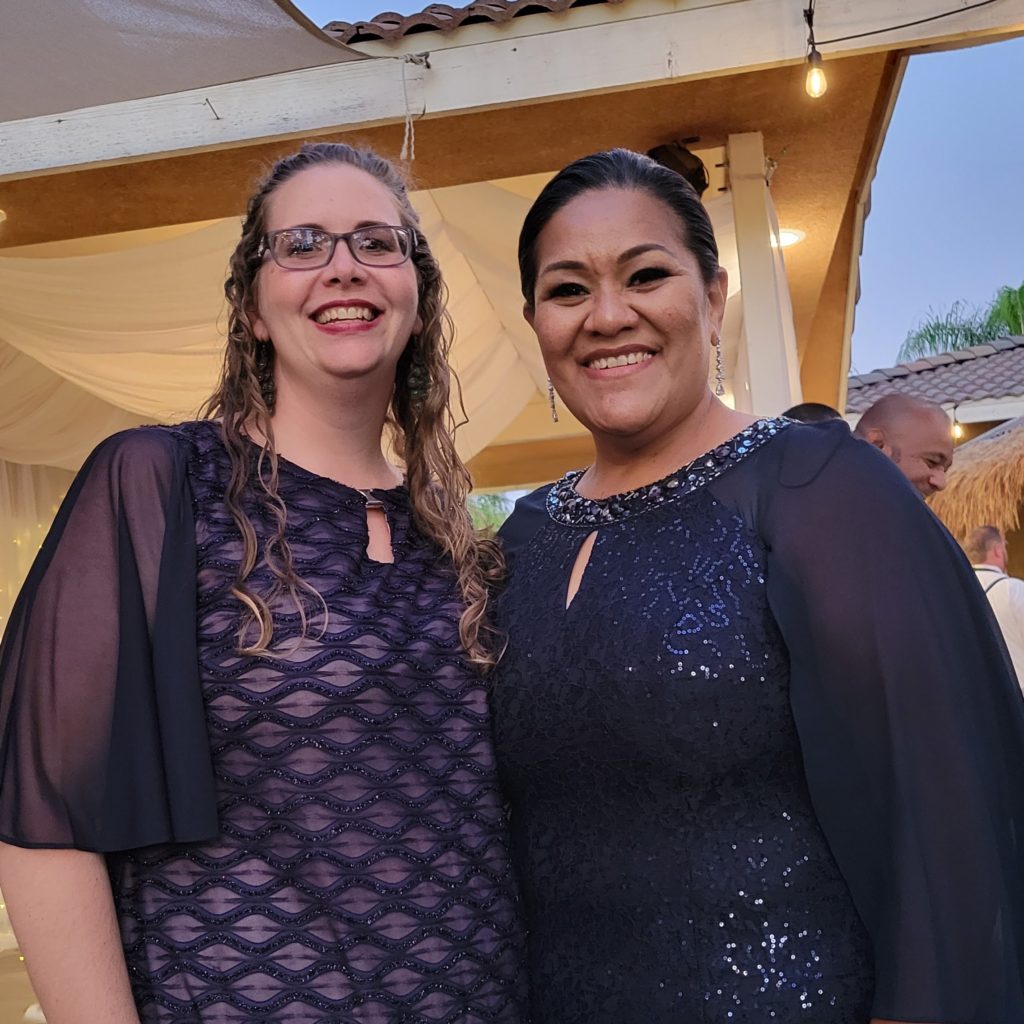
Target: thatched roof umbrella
(986,483)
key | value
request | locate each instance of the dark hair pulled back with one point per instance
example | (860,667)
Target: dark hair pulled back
(618,169)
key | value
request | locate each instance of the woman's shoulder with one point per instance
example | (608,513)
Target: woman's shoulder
(528,516)
(150,448)
(804,454)
(829,454)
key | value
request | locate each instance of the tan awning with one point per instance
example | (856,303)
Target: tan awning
(60,55)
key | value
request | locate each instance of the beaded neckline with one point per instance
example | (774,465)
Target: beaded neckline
(567,507)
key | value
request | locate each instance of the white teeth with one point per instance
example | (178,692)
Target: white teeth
(630,359)
(334,313)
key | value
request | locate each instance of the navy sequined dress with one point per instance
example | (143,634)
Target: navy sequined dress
(346,856)
(766,765)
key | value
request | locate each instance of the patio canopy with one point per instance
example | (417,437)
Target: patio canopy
(51,50)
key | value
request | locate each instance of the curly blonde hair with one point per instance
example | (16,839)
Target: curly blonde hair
(420,417)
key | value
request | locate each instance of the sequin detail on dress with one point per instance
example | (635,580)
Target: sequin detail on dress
(361,874)
(568,507)
(673,869)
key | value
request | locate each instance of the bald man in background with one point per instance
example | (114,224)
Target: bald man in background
(915,434)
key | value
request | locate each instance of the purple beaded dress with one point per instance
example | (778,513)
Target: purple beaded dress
(348,860)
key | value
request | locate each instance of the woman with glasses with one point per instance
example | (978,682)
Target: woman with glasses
(246,766)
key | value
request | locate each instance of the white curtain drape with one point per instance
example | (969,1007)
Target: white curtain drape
(129,330)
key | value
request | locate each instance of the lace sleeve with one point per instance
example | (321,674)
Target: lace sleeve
(102,737)
(911,728)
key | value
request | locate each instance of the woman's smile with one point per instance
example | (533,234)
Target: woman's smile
(345,316)
(618,363)
(625,320)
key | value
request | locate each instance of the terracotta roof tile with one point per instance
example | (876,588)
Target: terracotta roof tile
(984,372)
(444,18)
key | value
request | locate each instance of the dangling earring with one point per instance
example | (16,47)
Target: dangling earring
(418,377)
(551,401)
(719,372)
(265,373)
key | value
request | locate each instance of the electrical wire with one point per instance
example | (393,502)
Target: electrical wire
(908,24)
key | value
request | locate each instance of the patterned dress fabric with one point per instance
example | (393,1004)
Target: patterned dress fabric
(361,871)
(674,866)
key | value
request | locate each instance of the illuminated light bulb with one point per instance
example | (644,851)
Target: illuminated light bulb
(816,83)
(787,237)
(956,429)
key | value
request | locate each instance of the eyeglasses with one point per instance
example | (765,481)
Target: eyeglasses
(381,245)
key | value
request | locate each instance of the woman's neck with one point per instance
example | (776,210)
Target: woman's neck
(623,464)
(337,434)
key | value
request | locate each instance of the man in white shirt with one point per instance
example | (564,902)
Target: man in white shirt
(986,548)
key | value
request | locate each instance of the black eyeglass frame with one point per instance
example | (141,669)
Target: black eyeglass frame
(403,232)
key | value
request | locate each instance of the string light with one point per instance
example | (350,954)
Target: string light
(815,84)
(958,427)
(909,24)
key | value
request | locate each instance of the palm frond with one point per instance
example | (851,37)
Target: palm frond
(958,327)
(1006,314)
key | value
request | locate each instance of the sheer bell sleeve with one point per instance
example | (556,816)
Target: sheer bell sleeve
(103,742)
(911,727)
(527,518)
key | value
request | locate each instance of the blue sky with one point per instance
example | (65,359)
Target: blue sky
(947,211)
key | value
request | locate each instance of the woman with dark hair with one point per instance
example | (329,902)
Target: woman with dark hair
(762,746)
(247,772)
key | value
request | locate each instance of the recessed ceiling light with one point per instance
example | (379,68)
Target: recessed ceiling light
(788,237)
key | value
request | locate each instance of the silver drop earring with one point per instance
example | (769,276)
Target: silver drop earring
(551,401)
(719,372)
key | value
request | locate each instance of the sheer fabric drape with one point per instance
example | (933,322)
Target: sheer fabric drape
(29,498)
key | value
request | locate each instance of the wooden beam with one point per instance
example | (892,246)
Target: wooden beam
(504,71)
(530,463)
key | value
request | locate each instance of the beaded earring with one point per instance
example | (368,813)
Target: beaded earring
(418,377)
(551,401)
(719,372)
(265,373)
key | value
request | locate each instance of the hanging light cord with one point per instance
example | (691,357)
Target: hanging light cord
(809,17)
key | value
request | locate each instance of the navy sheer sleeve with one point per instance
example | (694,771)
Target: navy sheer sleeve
(103,743)
(911,727)
(522,525)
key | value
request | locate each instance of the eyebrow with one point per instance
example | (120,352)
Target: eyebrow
(319,227)
(629,254)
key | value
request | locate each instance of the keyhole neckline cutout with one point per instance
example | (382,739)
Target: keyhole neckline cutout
(379,547)
(579,568)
